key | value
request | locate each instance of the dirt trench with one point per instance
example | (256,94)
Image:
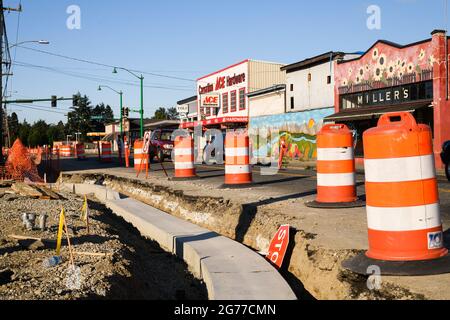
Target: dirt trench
(132,267)
(312,271)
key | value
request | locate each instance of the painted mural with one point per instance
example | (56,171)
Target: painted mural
(297,129)
(384,61)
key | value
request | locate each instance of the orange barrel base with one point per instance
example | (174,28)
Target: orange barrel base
(336,194)
(238,178)
(405,245)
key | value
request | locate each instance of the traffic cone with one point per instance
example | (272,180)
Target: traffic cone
(238,171)
(336,178)
(184,158)
(404,224)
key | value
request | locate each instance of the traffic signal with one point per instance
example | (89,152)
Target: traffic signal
(75,100)
(126,112)
(54,101)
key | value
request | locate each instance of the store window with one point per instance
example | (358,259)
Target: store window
(225,102)
(292,87)
(208,111)
(242,99)
(292,103)
(309,77)
(233,101)
(329,80)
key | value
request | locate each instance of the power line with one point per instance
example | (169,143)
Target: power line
(61,70)
(40,109)
(106,65)
(96,78)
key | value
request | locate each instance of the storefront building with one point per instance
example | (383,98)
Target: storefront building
(222,95)
(390,77)
(296,108)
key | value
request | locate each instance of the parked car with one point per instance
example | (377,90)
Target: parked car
(445,156)
(161,144)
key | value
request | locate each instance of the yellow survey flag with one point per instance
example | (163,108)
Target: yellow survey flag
(60,232)
(84,210)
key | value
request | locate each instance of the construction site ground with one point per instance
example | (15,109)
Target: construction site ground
(115,261)
(322,238)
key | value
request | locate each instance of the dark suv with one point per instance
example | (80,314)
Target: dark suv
(445,156)
(161,144)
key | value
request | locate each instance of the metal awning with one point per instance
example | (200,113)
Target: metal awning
(376,112)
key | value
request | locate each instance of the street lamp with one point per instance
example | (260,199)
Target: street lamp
(141,111)
(67,138)
(76,137)
(120,93)
(31,41)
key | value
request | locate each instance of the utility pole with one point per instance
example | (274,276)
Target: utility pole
(2,19)
(3,44)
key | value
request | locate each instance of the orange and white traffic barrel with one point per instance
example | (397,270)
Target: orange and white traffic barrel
(238,170)
(184,157)
(80,151)
(336,178)
(66,151)
(335,164)
(138,155)
(106,155)
(401,188)
(404,223)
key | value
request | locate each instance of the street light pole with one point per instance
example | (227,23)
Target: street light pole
(30,41)
(67,138)
(121,114)
(120,93)
(142,106)
(141,111)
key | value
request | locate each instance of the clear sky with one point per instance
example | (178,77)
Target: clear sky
(187,39)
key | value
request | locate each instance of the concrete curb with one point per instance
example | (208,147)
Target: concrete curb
(230,270)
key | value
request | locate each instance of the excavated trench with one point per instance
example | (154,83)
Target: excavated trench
(312,271)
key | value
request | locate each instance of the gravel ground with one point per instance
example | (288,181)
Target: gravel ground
(135,268)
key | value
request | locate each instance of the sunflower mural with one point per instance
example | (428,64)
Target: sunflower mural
(384,62)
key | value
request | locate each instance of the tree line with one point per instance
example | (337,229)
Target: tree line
(83,118)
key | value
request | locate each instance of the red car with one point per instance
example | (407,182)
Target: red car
(161,144)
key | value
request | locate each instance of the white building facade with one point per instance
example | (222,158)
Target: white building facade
(222,100)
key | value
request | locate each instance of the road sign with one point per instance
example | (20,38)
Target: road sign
(146,142)
(182,108)
(278,246)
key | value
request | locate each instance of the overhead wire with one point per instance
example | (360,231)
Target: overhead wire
(106,65)
(96,78)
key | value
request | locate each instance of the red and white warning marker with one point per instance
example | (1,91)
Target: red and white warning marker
(278,246)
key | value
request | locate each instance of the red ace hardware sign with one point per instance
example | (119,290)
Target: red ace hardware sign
(210,100)
(278,246)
